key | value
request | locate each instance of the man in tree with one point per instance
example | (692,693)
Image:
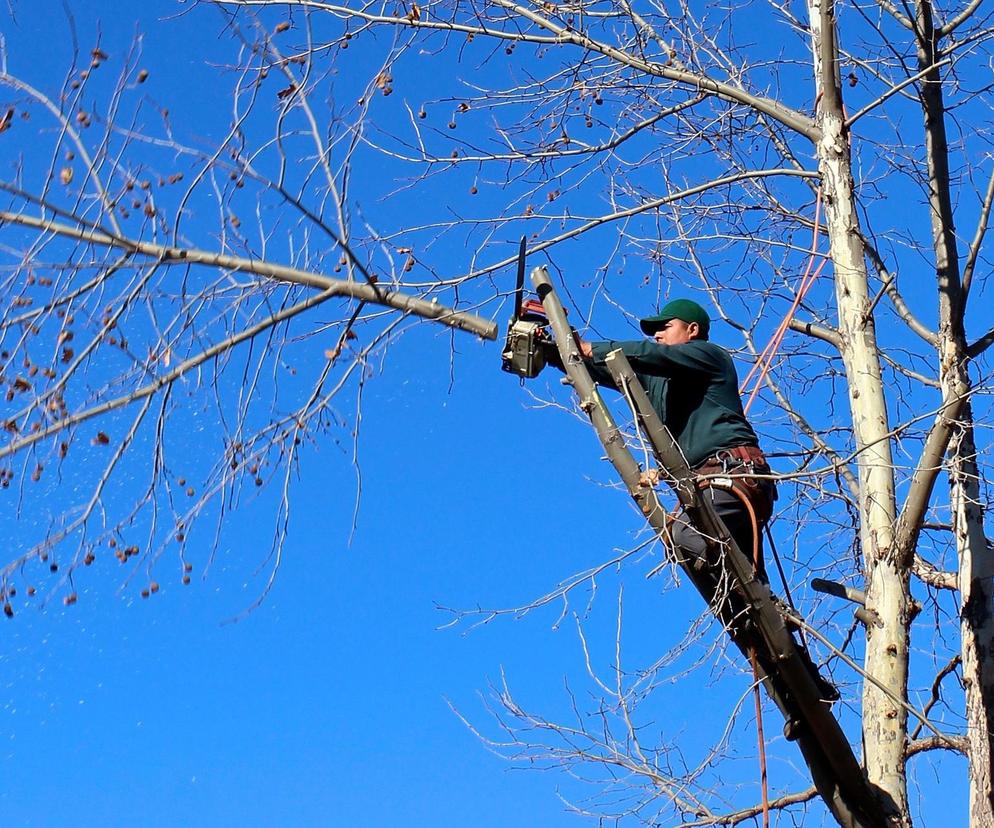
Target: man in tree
(693,387)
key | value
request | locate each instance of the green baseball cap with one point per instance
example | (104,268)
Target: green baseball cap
(685,310)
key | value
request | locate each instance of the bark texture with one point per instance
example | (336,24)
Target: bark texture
(887,578)
(975,559)
(976,568)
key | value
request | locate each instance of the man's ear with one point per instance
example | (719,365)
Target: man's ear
(694,330)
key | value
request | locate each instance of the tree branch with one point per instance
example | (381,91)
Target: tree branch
(799,123)
(909,521)
(959,19)
(953,663)
(929,574)
(894,90)
(829,335)
(167,379)
(957,744)
(978,237)
(735,818)
(366,292)
(981,345)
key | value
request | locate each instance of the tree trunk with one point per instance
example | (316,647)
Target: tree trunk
(975,559)
(976,567)
(887,579)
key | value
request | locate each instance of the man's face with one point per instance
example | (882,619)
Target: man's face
(676,332)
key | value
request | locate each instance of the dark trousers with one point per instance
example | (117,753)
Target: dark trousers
(691,547)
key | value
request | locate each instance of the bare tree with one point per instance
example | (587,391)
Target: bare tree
(644,149)
(125,337)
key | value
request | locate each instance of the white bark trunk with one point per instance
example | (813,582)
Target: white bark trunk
(976,569)
(975,576)
(887,587)
(887,580)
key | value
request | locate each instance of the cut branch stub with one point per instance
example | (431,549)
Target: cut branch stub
(868,618)
(857,596)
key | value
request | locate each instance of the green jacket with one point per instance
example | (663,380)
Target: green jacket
(694,389)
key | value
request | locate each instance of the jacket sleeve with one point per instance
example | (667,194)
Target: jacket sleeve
(660,360)
(598,370)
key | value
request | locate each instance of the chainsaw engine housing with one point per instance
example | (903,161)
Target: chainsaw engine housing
(523,353)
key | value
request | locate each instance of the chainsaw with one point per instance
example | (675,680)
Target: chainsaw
(528,336)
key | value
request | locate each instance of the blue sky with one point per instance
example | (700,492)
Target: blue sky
(330,703)
(327,705)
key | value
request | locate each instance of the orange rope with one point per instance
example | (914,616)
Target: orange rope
(763,365)
(760,737)
(814,242)
(765,361)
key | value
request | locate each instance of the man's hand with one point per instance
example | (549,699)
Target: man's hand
(585,349)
